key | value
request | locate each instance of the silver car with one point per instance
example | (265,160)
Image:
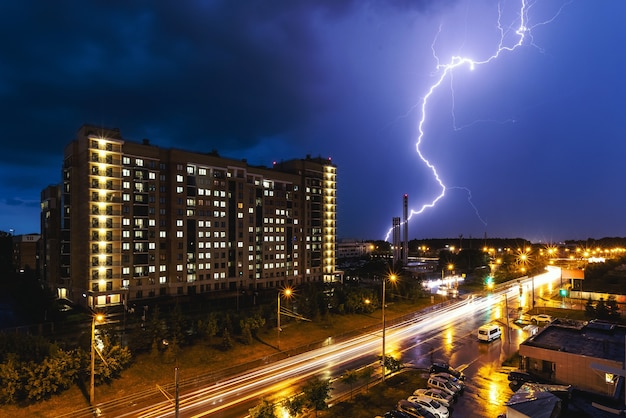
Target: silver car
(432,406)
(437,395)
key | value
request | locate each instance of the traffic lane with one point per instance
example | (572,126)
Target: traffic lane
(487,386)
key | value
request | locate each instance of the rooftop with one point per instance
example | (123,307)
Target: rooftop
(596,339)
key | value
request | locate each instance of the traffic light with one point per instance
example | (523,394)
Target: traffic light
(563,292)
(489,282)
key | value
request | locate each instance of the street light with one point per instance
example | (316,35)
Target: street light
(286,292)
(524,259)
(392,278)
(94,318)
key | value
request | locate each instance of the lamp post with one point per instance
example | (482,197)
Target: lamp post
(392,278)
(287,293)
(92,390)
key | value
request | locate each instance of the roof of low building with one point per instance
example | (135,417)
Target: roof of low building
(598,339)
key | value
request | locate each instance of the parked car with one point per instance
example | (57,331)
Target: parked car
(456,382)
(432,406)
(520,377)
(413,410)
(438,395)
(446,368)
(394,414)
(444,385)
(541,318)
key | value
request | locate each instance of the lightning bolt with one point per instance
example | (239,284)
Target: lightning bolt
(522,35)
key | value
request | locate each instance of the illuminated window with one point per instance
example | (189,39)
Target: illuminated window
(179,178)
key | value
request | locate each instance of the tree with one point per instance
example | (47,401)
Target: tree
(392,364)
(350,377)
(227,341)
(316,392)
(612,308)
(601,310)
(177,325)
(10,383)
(294,406)
(590,308)
(253,324)
(246,334)
(265,409)
(208,328)
(116,358)
(366,373)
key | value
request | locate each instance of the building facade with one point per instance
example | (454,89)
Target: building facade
(140,222)
(587,356)
(25,252)
(49,249)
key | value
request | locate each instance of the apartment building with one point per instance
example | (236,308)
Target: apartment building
(140,222)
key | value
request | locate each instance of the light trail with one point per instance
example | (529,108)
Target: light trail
(522,34)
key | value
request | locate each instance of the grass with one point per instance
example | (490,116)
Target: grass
(382,399)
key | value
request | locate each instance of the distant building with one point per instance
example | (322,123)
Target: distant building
(138,222)
(353,248)
(25,253)
(587,356)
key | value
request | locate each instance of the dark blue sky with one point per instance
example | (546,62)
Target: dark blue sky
(536,137)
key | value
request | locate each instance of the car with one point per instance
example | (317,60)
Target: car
(443,384)
(446,368)
(432,406)
(413,410)
(541,318)
(394,414)
(437,395)
(456,382)
(518,377)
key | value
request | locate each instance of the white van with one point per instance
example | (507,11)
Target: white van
(489,332)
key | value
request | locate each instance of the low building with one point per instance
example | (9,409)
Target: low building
(535,401)
(587,356)
(353,249)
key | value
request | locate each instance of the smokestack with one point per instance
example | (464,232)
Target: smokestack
(396,239)
(405,254)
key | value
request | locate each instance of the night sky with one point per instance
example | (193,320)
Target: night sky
(531,144)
